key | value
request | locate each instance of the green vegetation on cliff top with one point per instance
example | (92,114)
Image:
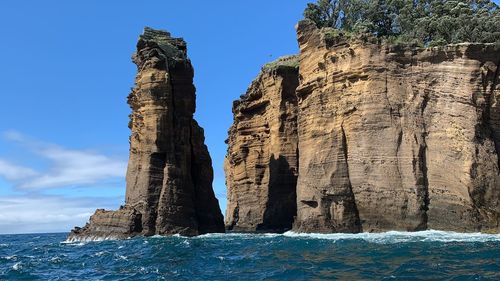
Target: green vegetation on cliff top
(285,61)
(420,23)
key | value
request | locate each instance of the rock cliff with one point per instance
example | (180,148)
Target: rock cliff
(169,175)
(261,163)
(388,138)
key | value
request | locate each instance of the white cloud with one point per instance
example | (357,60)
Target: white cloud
(68,167)
(33,211)
(15,136)
(43,214)
(73,167)
(13,172)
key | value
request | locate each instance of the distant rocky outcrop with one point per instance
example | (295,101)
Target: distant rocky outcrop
(169,176)
(388,138)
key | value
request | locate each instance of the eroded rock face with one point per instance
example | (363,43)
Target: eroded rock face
(384,138)
(169,176)
(119,224)
(395,139)
(261,164)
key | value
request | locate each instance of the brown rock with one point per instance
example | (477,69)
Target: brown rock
(396,139)
(388,138)
(119,224)
(169,176)
(261,163)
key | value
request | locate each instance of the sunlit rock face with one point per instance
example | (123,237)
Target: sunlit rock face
(169,175)
(374,138)
(396,139)
(261,164)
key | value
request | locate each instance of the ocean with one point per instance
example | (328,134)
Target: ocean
(427,255)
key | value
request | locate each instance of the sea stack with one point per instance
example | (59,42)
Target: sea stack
(169,175)
(388,138)
(262,163)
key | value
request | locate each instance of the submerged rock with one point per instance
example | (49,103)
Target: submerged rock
(169,175)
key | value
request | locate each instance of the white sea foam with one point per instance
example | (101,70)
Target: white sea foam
(162,236)
(56,260)
(10,257)
(100,254)
(237,235)
(382,237)
(87,239)
(399,236)
(17,266)
(122,257)
(4,245)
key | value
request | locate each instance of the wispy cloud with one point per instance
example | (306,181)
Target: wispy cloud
(73,167)
(13,172)
(48,213)
(67,167)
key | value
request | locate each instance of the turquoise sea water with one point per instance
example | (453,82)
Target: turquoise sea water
(428,255)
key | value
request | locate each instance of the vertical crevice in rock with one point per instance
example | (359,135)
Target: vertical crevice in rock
(423,187)
(355,220)
(423,193)
(398,150)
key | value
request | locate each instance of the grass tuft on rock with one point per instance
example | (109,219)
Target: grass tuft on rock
(285,61)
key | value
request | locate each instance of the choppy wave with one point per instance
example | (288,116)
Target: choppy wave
(17,266)
(395,255)
(400,236)
(381,237)
(13,257)
(84,240)
(236,235)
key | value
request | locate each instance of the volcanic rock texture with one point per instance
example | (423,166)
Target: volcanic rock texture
(388,139)
(261,164)
(169,176)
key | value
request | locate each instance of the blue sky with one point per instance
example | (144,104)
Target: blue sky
(66,72)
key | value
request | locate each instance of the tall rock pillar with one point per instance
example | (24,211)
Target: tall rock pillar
(169,175)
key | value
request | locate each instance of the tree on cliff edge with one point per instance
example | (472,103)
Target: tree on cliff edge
(425,23)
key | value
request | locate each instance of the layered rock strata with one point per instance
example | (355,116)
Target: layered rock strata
(169,175)
(261,164)
(394,138)
(389,138)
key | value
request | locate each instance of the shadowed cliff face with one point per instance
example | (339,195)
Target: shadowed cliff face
(387,138)
(261,163)
(169,176)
